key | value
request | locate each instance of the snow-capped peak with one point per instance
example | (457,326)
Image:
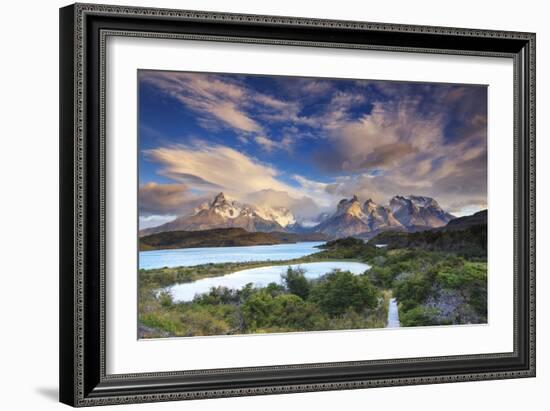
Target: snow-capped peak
(281,215)
(224,208)
(230,209)
(422,201)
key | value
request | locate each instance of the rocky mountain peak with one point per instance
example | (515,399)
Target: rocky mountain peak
(370,205)
(398,200)
(403,213)
(219,200)
(422,201)
(351,207)
(416,210)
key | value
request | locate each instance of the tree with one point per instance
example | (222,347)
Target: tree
(340,290)
(296,282)
(258,310)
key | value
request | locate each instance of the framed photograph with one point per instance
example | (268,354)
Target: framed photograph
(261,204)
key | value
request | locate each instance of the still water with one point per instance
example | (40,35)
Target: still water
(197,256)
(260,277)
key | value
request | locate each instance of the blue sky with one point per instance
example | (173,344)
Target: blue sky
(305,143)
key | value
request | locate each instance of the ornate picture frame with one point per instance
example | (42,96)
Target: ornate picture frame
(84,30)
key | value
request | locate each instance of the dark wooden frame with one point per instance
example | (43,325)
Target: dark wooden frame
(83,30)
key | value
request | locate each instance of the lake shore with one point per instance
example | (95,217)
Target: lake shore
(261,277)
(429,287)
(196,257)
(186,274)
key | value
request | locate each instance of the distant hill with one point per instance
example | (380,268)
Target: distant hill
(221,237)
(461,223)
(463,235)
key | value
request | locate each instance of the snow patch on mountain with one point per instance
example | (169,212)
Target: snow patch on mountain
(281,215)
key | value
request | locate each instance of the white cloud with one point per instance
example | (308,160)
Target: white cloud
(154,220)
(302,207)
(403,139)
(267,144)
(155,198)
(317,190)
(219,168)
(207,95)
(405,144)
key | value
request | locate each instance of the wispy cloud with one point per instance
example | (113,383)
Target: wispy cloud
(220,102)
(432,142)
(303,207)
(339,137)
(207,95)
(211,168)
(266,143)
(269,145)
(157,199)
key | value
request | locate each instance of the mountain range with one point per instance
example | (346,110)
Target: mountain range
(351,218)
(412,213)
(224,213)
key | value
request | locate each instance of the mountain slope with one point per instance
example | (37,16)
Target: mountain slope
(348,220)
(465,235)
(419,211)
(461,223)
(379,216)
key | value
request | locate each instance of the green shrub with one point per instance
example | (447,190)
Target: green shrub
(203,321)
(338,291)
(296,282)
(285,311)
(165,299)
(413,289)
(217,296)
(381,276)
(419,316)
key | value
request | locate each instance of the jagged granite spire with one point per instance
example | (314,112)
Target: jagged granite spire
(219,200)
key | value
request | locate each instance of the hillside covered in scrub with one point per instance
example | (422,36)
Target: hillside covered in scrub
(221,237)
(466,236)
(437,278)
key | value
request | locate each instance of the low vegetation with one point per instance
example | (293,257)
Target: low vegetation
(438,278)
(338,300)
(433,288)
(470,242)
(220,237)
